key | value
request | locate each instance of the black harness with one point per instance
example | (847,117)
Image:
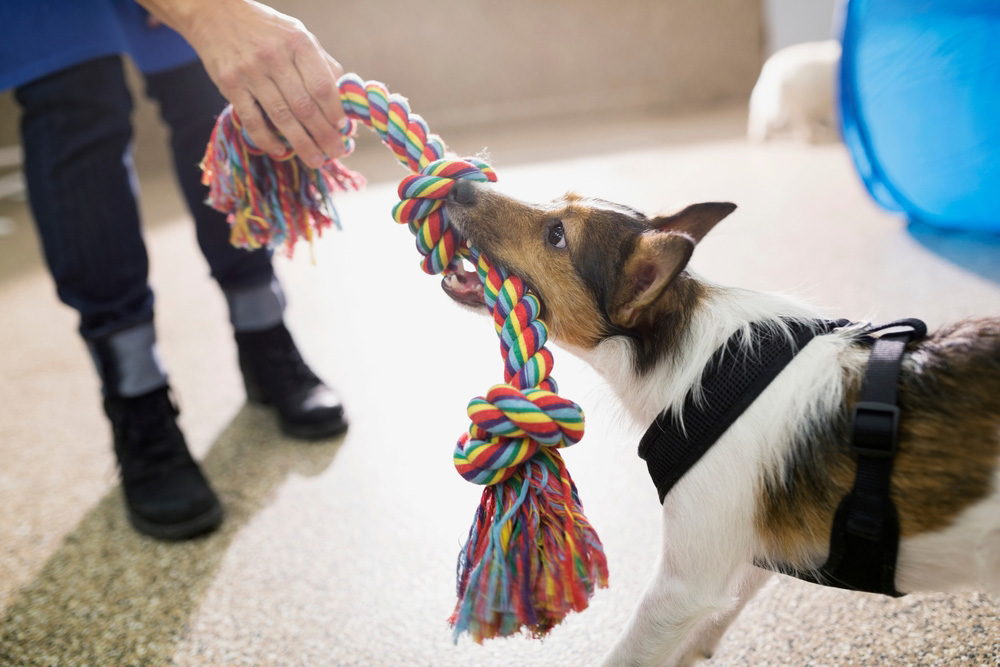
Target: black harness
(865,536)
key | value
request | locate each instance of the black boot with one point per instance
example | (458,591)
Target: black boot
(275,374)
(166,494)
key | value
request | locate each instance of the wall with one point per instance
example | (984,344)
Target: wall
(488,61)
(793,21)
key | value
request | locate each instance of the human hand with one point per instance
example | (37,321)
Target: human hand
(265,62)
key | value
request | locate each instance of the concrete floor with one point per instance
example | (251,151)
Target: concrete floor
(343,552)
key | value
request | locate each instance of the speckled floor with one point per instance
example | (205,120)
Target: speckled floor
(343,552)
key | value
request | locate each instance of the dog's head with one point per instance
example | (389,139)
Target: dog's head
(598,268)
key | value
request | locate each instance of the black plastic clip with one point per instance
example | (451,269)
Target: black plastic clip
(876,429)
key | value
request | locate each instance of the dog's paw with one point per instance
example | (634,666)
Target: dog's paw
(702,650)
(695,657)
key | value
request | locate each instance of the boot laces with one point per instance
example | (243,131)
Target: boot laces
(283,362)
(152,441)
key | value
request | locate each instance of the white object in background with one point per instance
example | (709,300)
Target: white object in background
(794,96)
(11,185)
(10,156)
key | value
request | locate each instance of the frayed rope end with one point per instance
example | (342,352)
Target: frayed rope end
(531,557)
(269,202)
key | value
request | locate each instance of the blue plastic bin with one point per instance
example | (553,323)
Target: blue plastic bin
(920,107)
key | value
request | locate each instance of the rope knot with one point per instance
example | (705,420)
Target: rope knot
(508,427)
(421,207)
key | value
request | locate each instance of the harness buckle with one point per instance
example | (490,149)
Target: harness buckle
(876,429)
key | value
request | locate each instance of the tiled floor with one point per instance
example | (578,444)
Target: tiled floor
(343,552)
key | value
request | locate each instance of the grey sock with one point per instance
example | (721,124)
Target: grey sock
(128,361)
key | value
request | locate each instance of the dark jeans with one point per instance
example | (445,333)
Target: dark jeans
(76,135)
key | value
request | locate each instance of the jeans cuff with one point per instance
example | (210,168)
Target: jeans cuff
(128,361)
(256,308)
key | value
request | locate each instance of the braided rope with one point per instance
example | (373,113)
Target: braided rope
(531,556)
(527,362)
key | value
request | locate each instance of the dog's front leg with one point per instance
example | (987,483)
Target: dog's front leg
(698,579)
(667,620)
(709,635)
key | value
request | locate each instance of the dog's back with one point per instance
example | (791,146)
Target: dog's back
(947,473)
(945,480)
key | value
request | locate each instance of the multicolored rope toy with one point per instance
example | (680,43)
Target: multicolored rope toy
(531,556)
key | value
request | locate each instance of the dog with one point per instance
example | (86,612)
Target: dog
(616,291)
(794,95)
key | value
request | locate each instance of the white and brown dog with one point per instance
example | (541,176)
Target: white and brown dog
(616,292)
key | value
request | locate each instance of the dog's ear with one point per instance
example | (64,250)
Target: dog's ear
(657,260)
(662,253)
(696,220)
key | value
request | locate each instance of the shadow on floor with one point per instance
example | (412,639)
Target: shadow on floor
(978,253)
(112,596)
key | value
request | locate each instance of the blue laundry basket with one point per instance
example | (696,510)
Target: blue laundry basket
(920,107)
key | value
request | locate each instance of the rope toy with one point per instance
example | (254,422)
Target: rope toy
(531,556)
(269,201)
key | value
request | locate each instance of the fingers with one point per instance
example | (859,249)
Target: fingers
(335,68)
(303,103)
(319,72)
(292,118)
(256,127)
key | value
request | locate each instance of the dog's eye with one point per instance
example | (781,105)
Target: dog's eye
(556,235)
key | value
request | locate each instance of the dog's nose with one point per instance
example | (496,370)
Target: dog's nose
(463,192)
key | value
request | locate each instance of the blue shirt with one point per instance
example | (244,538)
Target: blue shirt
(40,37)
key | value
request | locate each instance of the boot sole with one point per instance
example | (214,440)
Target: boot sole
(301,431)
(312,431)
(193,527)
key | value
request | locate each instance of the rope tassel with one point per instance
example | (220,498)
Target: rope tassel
(269,201)
(531,556)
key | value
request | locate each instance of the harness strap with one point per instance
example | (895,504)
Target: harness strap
(732,380)
(864,542)
(864,539)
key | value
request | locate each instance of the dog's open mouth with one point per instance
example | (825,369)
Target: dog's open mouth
(463,285)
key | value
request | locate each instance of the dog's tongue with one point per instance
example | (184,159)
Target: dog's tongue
(463,286)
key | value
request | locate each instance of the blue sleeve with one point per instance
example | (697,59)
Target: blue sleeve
(45,36)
